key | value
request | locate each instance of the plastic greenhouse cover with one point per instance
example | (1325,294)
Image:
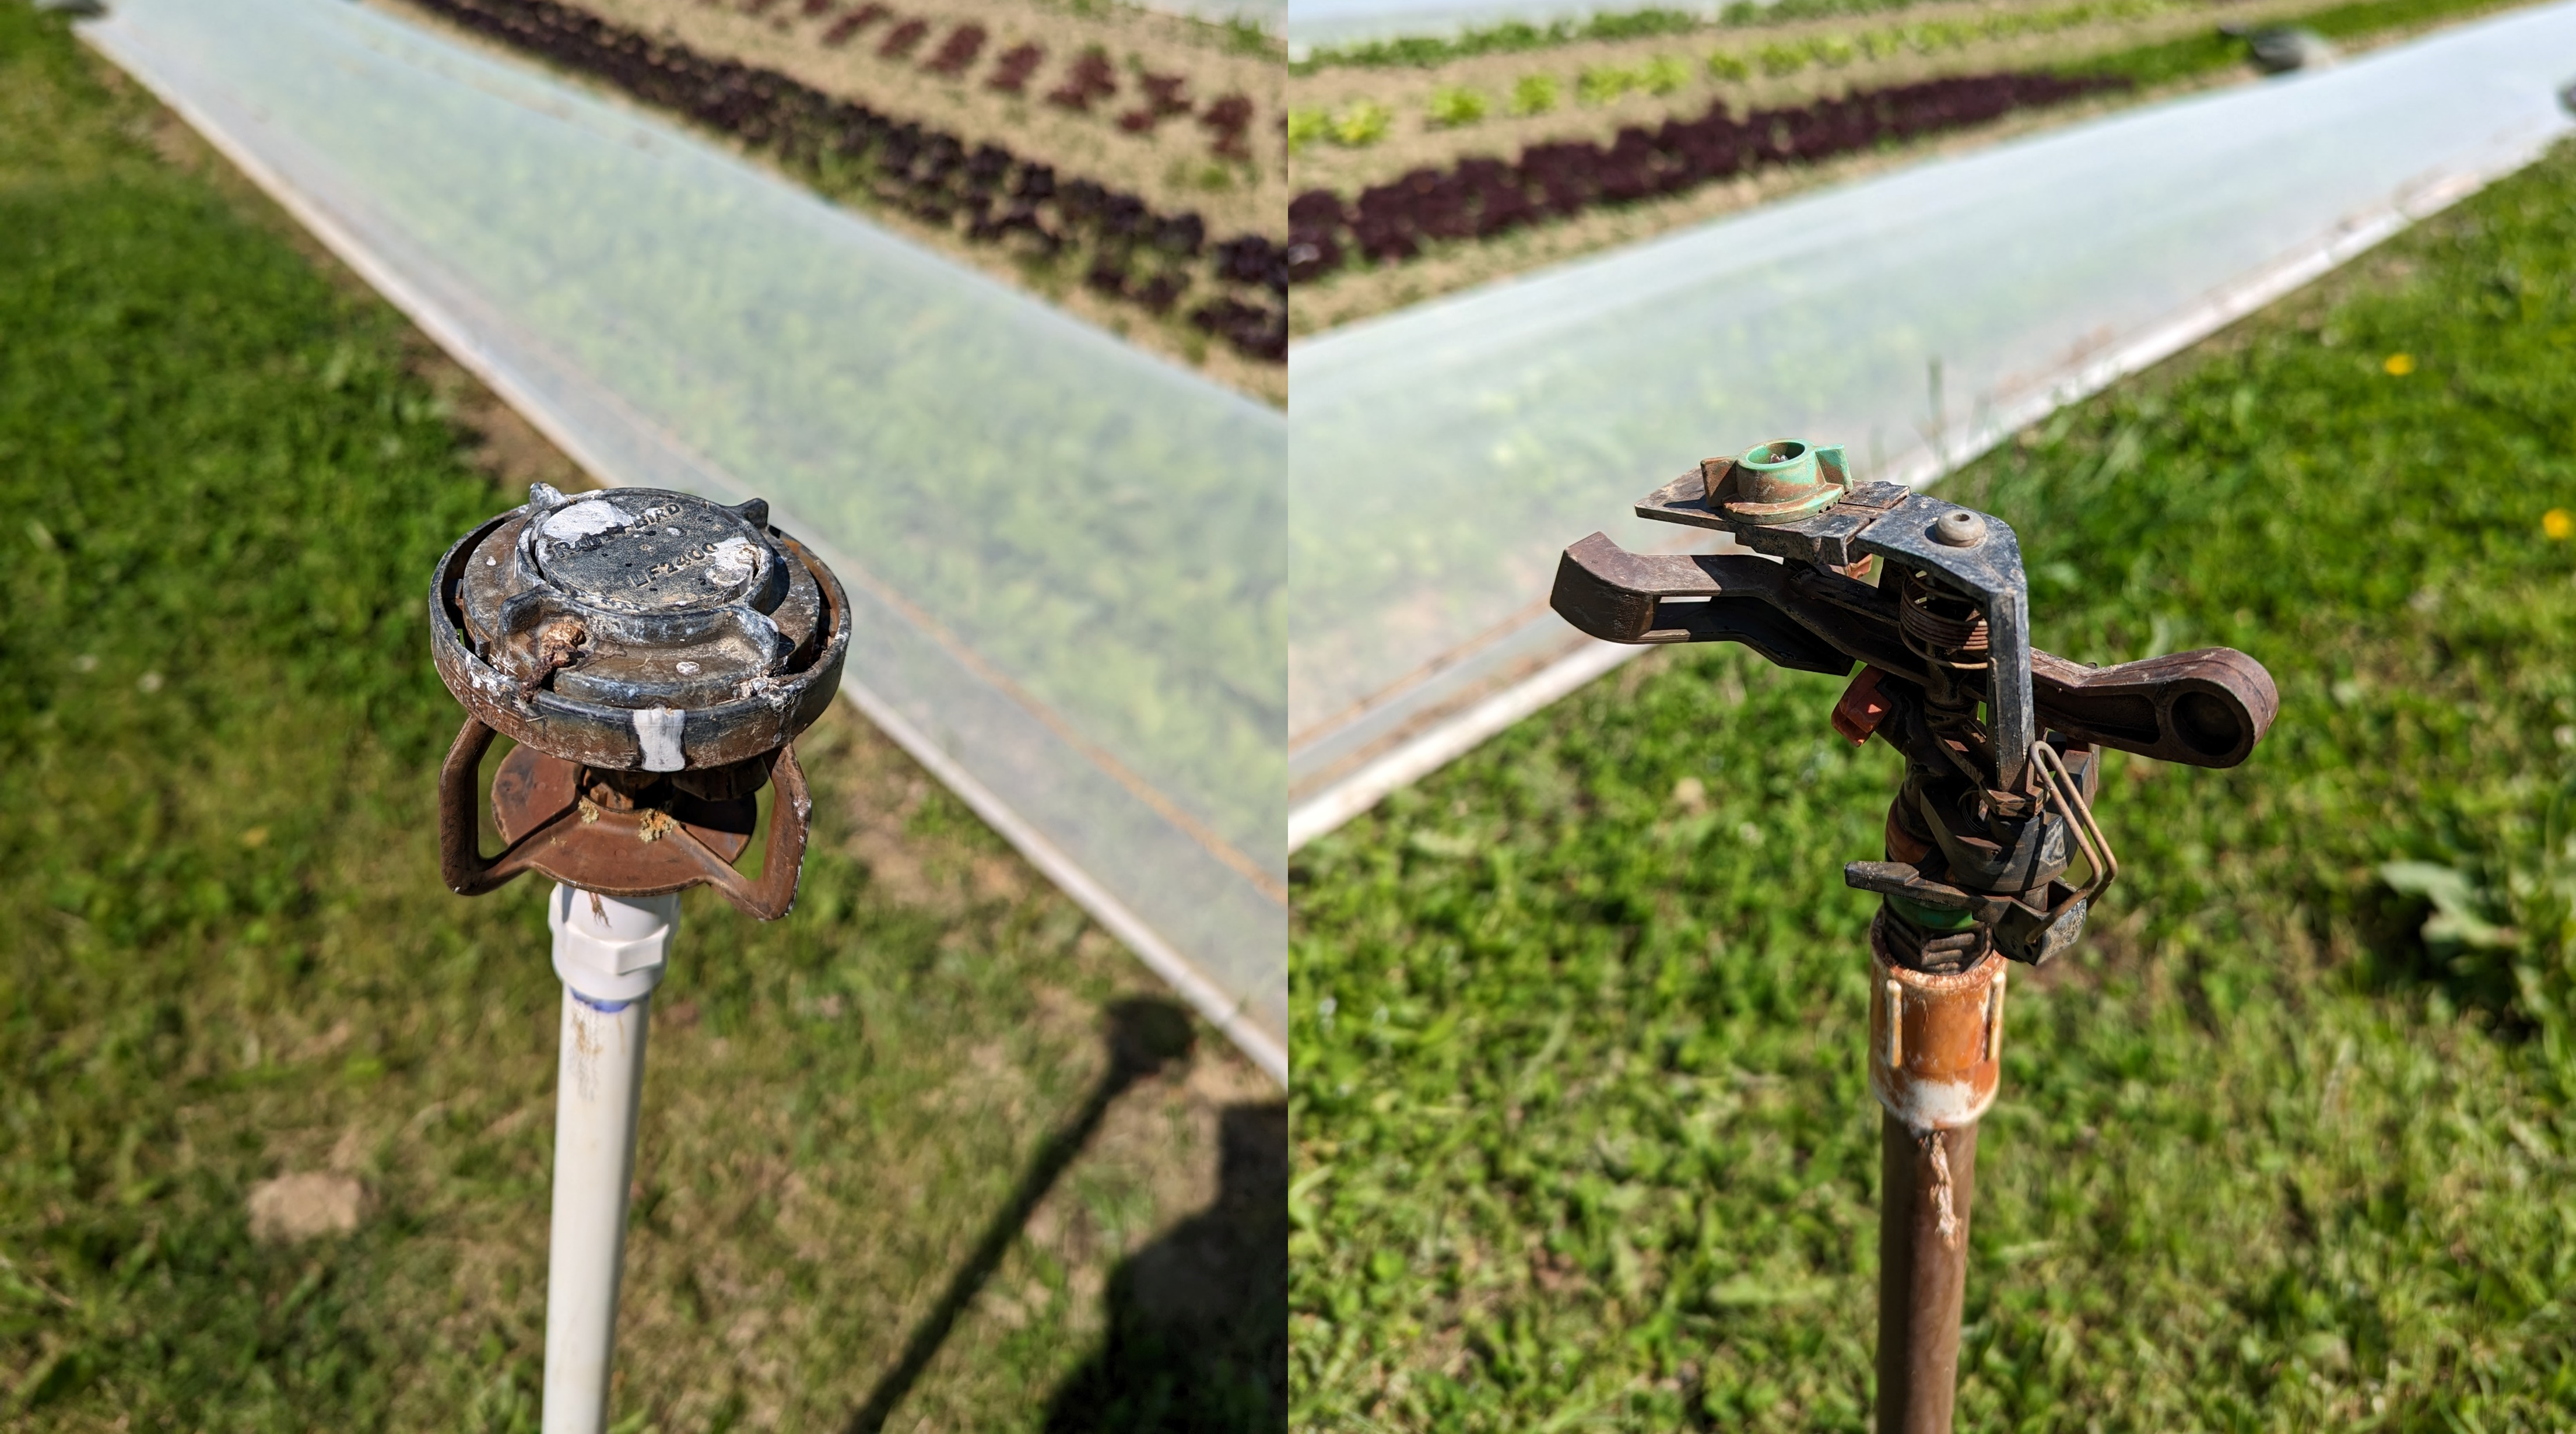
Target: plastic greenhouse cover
(1063,554)
(1445,454)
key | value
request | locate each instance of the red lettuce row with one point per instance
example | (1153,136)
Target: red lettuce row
(1480,197)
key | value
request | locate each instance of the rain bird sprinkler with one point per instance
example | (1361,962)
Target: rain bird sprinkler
(2001,748)
(653,655)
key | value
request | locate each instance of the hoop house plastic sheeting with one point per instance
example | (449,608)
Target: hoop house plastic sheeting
(1445,454)
(1063,554)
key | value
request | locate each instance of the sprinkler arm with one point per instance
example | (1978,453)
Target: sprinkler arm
(2205,709)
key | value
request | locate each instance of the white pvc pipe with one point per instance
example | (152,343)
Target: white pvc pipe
(610,954)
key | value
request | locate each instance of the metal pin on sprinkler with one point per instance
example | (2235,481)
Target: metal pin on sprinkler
(653,654)
(2000,744)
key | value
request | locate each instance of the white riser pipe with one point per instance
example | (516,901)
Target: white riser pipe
(610,954)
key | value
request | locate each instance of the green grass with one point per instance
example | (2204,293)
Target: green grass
(2211,51)
(1581,1132)
(225,954)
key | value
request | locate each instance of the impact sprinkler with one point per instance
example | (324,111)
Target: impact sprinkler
(653,655)
(2001,748)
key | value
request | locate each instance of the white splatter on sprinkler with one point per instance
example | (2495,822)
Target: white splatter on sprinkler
(653,655)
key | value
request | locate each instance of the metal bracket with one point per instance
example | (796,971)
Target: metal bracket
(1973,552)
(549,827)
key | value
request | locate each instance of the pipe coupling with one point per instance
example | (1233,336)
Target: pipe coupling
(611,949)
(1935,1039)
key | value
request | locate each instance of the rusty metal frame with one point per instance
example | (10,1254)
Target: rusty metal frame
(548,846)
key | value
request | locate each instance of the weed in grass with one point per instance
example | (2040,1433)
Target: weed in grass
(1581,1128)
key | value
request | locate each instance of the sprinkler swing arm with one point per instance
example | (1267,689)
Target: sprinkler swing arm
(2001,743)
(1811,611)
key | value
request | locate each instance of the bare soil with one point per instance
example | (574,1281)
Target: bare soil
(1174,165)
(305,1206)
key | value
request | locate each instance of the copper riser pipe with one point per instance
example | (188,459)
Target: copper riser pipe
(1922,1281)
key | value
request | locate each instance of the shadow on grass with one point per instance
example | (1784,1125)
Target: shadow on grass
(1144,1035)
(1198,1320)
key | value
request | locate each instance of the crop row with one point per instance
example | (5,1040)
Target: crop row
(1779,58)
(1136,253)
(1509,37)
(1521,36)
(1479,197)
(1364,122)
(1088,80)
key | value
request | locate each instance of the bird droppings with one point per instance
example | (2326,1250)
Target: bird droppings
(732,563)
(584,519)
(766,688)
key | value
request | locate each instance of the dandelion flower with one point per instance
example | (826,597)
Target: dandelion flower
(2558,524)
(2399,365)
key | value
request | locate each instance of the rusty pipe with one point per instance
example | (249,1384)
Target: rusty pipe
(1926,1179)
(1935,1062)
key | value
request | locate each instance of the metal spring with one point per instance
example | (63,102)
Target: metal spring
(1952,641)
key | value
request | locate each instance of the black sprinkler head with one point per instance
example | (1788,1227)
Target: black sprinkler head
(653,654)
